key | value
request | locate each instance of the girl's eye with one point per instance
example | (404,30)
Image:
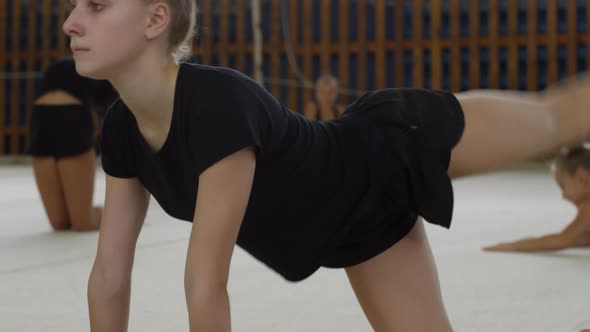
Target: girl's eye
(96,6)
(70,5)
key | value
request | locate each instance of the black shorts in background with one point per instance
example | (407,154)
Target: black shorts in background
(60,131)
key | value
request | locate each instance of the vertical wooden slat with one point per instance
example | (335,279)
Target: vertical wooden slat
(531,45)
(418,35)
(587,32)
(206,31)
(15,68)
(362,43)
(275,47)
(223,33)
(293,25)
(398,26)
(493,27)
(31,60)
(436,52)
(61,36)
(455,9)
(325,32)
(307,46)
(46,19)
(474,72)
(3,28)
(343,51)
(380,67)
(512,45)
(551,41)
(240,35)
(571,64)
(198,32)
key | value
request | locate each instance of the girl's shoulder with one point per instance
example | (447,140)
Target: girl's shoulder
(216,81)
(117,116)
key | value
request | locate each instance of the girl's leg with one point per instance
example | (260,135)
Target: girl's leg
(504,127)
(51,191)
(399,289)
(583,240)
(77,175)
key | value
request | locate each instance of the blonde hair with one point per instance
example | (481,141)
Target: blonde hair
(183,23)
(572,158)
(327,78)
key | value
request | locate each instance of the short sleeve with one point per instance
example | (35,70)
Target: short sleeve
(116,155)
(226,124)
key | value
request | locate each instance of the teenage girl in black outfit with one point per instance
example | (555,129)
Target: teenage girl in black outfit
(214,148)
(61,144)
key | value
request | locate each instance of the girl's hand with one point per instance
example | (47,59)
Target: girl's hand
(509,246)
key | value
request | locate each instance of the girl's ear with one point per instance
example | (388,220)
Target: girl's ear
(159,18)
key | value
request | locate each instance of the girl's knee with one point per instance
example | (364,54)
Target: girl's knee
(84,226)
(89,223)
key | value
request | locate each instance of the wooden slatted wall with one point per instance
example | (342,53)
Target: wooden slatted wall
(367,44)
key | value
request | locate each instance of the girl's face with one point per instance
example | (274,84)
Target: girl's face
(326,93)
(574,188)
(106,35)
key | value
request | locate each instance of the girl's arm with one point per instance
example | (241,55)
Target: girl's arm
(109,285)
(222,198)
(567,238)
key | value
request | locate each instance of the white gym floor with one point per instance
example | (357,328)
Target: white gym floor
(43,274)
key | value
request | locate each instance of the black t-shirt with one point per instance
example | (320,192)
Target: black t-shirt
(312,181)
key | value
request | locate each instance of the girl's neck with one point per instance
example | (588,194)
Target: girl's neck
(147,88)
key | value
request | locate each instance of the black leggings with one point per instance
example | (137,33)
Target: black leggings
(60,131)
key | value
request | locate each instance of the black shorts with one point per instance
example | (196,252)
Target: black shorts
(60,131)
(410,134)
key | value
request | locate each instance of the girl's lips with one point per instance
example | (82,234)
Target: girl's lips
(79,50)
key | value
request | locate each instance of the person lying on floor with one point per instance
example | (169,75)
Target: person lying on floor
(571,171)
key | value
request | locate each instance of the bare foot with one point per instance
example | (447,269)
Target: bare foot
(502,247)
